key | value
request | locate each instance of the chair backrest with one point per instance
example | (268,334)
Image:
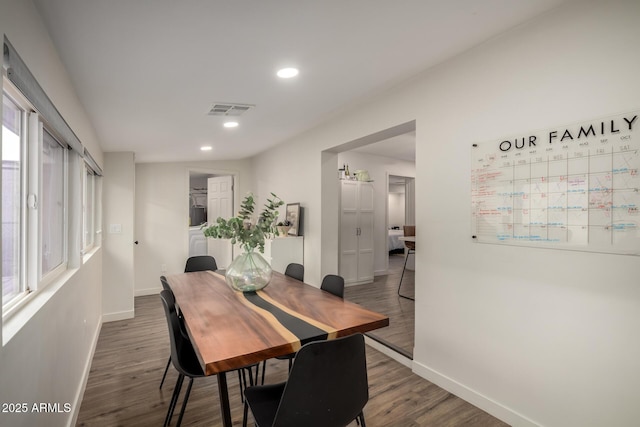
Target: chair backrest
(165,283)
(410,230)
(183,356)
(333,284)
(200,263)
(295,270)
(327,385)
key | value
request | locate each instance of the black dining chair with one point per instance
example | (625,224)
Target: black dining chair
(333,284)
(330,283)
(295,270)
(200,263)
(183,356)
(242,373)
(194,263)
(327,387)
(166,287)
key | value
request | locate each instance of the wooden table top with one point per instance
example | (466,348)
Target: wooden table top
(230,329)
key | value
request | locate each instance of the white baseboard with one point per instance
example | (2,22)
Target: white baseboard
(388,352)
(120,315)
(148,291)
(479,400)
(85,376)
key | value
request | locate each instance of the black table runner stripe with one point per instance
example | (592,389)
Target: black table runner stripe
(301,329)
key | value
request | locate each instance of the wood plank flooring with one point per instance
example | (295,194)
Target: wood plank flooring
(130,357)
(382,296)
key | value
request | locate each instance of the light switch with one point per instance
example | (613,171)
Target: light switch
(115,228)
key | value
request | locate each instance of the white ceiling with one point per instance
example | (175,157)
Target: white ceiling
(148,71)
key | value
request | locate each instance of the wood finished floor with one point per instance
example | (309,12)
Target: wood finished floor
(382,296)
(122,389)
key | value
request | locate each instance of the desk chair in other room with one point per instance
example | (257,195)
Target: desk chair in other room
(409,230)
(327,387)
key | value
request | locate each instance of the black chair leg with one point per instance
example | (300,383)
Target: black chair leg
(242,378)
(242,384)
(174,399)
(361,416)
(264,369)
(184,402)
(245,414)
(165,371)
(409,252)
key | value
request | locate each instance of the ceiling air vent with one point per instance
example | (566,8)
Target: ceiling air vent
(229,109)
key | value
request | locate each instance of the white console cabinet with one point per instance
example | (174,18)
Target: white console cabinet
(281,251)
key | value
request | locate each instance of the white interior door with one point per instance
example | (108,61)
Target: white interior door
(220,204)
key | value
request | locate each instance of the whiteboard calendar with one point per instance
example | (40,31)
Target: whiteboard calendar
(568,187)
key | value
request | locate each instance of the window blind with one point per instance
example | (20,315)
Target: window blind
(21,77)
(92,163)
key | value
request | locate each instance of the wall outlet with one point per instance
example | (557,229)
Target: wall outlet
(163,268)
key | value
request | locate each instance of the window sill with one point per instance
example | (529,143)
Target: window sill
(87,256)
(22,312)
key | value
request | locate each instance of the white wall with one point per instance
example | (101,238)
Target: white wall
(118,235)
(48,355)
(162,215)
(533,336)
(379,169)
(396,209)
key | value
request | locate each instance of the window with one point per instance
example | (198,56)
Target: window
(34,201)
(50,191)
(88,209)
(52,205)
(13,191)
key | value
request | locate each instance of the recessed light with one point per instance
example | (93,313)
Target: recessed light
(206,148)
(287,73)
(230,124)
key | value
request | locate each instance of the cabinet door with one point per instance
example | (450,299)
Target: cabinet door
(348,246)
(348,263)
(356,232)
(365,246)
(365,231)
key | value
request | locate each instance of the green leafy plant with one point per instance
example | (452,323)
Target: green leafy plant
(240,228)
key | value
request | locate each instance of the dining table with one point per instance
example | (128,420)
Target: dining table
(230,329)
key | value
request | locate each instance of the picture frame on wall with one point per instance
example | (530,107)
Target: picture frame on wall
(293,215)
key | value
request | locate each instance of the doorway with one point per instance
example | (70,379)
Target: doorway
(211,195)
(384,154)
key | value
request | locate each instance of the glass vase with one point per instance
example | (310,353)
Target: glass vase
(248,272)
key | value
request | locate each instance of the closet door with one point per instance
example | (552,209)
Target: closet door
(348,265)
(356,232)
(365,232)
